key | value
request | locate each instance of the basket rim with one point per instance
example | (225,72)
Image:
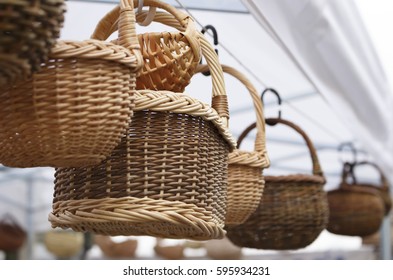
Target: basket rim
(95,49)
(251,159)
(296,178)
(181,103)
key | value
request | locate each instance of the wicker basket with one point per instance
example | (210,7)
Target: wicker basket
(170,58)
(383,187)
(116,250)
(293,210)
(28,31)
(12,235)
(63,244)
(355,210)
(74,111)
(245,178)
(168,176)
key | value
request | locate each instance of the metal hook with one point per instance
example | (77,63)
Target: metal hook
(215,41)
(353,150)
(279,100)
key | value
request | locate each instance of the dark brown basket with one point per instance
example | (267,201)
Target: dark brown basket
(293,210)
(355,209)
(168,176)
(28,30)
(12,236)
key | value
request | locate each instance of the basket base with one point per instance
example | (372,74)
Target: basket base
(136,216)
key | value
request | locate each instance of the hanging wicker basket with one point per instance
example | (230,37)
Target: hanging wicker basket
(28,30)
(12,235)
(245,169)
(170,57)
(168,176)
(74,111)
(355,209)
(293,210)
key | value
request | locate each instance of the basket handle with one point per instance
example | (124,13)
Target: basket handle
(316,167)
(177,19)
(260,143)
(349,171)
(125,23)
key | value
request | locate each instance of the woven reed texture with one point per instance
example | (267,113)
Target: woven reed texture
(293,210)
(74,111)
(167,178)
(170,58)
(355,209)
(28,30)
(245,170)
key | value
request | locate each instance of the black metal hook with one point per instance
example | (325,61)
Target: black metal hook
(353,150)
(279,100)
(215,41)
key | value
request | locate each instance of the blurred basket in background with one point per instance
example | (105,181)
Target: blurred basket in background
(293,210)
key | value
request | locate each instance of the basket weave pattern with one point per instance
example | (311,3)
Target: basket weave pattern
(28,30)
(170,58)
(74,111)
(293,210)
(167,178)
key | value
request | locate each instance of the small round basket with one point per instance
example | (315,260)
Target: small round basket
(74,111)
(293,210)
(63,244)
(245,169)
(28,30)
(170,57)
(167,177)
(355,209)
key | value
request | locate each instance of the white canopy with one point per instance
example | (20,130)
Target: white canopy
(328,41)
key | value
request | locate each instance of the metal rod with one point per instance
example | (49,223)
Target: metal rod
(222,9)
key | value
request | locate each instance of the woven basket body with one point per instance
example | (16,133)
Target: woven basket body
(355,209)
(170,57)
(293,210)
(28,31)
(245,169)
(74,111)
(167,178)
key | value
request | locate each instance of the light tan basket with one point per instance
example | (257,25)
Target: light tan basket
(170,58)
(168,176)
(245,178)
(63,244)
(74,111)
(116,250)
(28,31)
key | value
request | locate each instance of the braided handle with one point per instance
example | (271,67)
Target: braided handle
(260,143)
(316,167)
(125,23)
